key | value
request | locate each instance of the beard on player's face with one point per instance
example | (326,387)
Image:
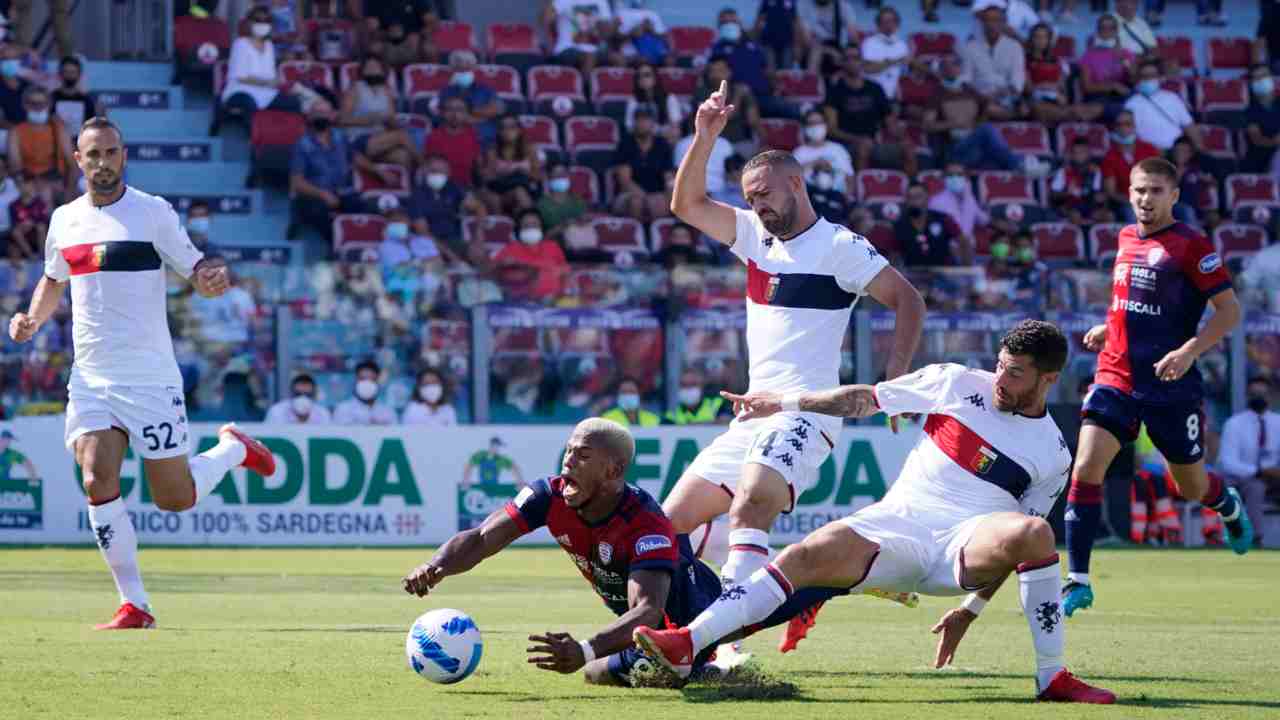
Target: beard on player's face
(782,222)
(1008,400)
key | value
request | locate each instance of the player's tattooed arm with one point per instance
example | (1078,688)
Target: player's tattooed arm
(463,552)
(852,401)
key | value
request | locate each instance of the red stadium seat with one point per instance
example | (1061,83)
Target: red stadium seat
(190,34)
(1230,53)
(1058,241)
(351,232)
(689,41)
(272,135)
(542,132)
(547,81)
(311,74)
(799,86)
(1244,190)
(1214,95)
(502,79)
(884,239)
(998,188)
(932,180)
(494,231)
(372,186)
(1234,238)
(882,186)
(612,83)
(584,183)
(1097,133)
(1179,87)
(780,134)
(1217,141)
(618,234)
(512,38)
(1104,238)
(1025,138)
(1064,48)
(592,140)
(659,230)
(681,82)
(453,35)
(932,45)
(1179,47)
(425,79)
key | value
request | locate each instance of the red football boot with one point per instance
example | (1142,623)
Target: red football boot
(798,627)
(256,455)
(129,617)
(672,648)
(1065,687)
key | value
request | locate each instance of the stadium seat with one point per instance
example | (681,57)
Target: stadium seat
(780,134)
(1217,141)
(690,41)
(1097,133)
(190,34)
(592,141)
(357,232)
(932,46)
(548,82)
(882,186)
(1064,48)
(425,79)
(494,231)
(543,133)
(1179,47)
(584,183)
(505,81)
(1208,199)
(618,234)
(799,86)
(1230,53)
(1218,96)
(453,35)
(514,44)
(1104,238)
(681,82)
(611,88)
(311,74)
(932,181)
(1058,241)
(884,239)
(373,186)
(659,230)
(272,135)
(1244,190)
(1025,138)
(997,188)
(1239,239)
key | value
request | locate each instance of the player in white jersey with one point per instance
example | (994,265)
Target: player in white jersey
(804,276)
(967,510)
(111,245)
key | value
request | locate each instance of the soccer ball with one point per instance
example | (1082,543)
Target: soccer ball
(443,646)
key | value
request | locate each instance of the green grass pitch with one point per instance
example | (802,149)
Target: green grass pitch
(320,634)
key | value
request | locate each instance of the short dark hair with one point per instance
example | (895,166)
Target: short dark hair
(70,60)
(1158,166)
(98,122)
(1259,379)
(199,204)
(1041,340)
(1080,140)
(520,216)
(303,378)
(368,364)
(773,159)
(1256,66)
(1149,61)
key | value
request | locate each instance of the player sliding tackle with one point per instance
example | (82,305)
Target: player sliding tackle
(804,276)
(111,245)
(967,509)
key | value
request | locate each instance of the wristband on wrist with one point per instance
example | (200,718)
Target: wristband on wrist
(974,604)
(791,402)
(588,652)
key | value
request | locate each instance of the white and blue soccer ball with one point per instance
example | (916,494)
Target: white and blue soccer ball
(444,646)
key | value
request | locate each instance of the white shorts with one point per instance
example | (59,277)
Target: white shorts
(918,552)
(154,418)
(793,443)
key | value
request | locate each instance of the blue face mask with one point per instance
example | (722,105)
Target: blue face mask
(397,231)
(198,225)
(1124,139)
(1263,86)
(10,68)
(956,183)
(464,78)
(731,31)
(1149,87)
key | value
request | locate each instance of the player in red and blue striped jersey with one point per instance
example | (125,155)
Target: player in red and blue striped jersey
(1166,273)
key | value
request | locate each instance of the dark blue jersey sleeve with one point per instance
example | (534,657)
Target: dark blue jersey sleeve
(530,507)
(653,543)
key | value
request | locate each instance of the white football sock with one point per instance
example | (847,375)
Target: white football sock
(748,552)
(1040,588)
(1082,578)
(119,544)
(739,606)
(208,467)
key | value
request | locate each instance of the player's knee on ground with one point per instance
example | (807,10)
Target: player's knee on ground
(597,673)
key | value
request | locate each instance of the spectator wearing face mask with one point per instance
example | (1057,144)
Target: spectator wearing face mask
(431,404)
(581,28)
(411,264)
(300,408)
(927,237)
(695,406)
(437,206)
(1262,123)
(483,104)
(817,147)
(885,54)
(958,202)
(743,127)
(559,206)
(456,140)
(70,102)
(368,117)
(198,222)
(28,222)
(1134,32)
(533,266)
(363,408)
(1106,69)
(643,170)
(746,59)
(825,194)
(12,86)
(681,247)
(41,148)
(1249,454)
(8,193)
(628,412)
(320,173)
(253,82)
(1126,151)
(1160,116)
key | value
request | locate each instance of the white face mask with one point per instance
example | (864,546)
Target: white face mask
(559,184)
(367,390)
(38,117)
(435,181)
(260,30)
(431,393)
(628,401)
(531,236)
(815,133)
(301,405)
(823,180)
(690,396)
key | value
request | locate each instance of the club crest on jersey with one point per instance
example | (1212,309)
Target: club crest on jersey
(650,543)
(1155,255)
(606,552)
(99,256)
(772,290)
(1209,263)
(983,461)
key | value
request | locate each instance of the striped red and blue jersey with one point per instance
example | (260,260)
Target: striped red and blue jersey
(1159,290)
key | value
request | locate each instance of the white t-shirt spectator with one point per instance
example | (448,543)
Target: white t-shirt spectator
(833,153)
(576,23)
(1017,14)
(1135,35)
(282,414)
(392,253)
(879,48)
(1160,118)
(994,70)
(353,411)
(418,413)
(821,20)
(225,319)
(720,152)
(629,18)
(247,60)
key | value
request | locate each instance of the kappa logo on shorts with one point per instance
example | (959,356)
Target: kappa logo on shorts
(799,446)
(651,543)
(800,432)
(785,459)
(977,401)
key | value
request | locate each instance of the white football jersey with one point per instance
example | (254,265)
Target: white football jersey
(114,256)
(800,294)
(973,457)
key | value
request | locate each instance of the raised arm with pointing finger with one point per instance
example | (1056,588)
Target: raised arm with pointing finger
(689,201)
